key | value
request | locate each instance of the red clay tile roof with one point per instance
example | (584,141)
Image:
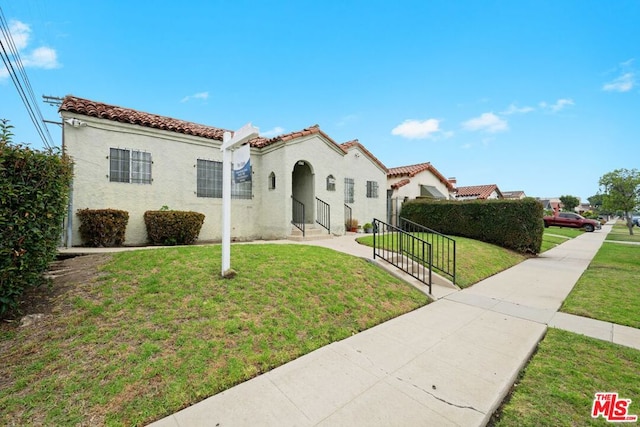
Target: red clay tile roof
(100,110)
(355,143)
(400,183)
(261,141)
(478,191)
(413,170)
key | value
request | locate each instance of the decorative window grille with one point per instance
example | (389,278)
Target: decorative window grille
(129,166)
(209,182)
(349,186)
(372,189)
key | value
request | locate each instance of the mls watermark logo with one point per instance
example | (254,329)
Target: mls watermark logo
(612,408)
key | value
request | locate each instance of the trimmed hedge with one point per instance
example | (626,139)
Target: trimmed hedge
(34,189)
(167,227)
(512,224)
(102,227)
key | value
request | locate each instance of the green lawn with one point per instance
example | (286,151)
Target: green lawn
(620,232)
(609,289)
(559,383)
(160,330)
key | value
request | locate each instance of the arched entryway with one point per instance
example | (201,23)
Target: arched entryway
(303,191)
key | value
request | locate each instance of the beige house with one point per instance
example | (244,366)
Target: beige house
(136,161)
(421,180)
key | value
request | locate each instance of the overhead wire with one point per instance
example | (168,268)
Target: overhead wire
(11,58)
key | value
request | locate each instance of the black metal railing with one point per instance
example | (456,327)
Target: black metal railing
(298,214)
(347,216)
(444,248)
(404,250)
(323,214)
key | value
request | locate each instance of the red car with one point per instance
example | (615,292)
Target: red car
(572,220)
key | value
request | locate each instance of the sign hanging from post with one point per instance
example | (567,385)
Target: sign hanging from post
(242,164)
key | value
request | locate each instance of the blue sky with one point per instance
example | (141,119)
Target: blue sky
(539,96)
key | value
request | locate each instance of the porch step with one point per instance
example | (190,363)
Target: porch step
(311,232)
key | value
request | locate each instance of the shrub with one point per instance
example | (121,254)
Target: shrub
(102,227)
(166,227)
(512,224)
(34,188)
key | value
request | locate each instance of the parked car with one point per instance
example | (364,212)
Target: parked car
(572,220)
(635,220)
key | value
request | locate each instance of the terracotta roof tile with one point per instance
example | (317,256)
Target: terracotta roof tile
(260,141)
(477,191)
(413,170)
(100,110)
(355,143)
(400,183)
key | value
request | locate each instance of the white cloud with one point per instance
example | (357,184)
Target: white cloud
(623,83)
(514,109)
(273,132)
(559,105)
(40,57)
(200,95)
(487,122)
(417,129)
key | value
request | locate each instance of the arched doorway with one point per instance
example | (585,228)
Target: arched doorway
(302,190)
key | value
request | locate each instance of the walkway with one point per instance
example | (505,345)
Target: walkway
(448,364)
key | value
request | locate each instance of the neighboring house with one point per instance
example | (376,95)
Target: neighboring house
(551,204)
(485,192)
(513,195)
(421,180)
(136,161)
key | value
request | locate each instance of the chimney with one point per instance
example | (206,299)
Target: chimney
(453,181)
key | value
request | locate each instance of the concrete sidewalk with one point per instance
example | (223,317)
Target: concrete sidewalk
(449,363)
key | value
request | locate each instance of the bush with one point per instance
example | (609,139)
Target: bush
(165,227)
(512,224)
(102,227)
(34,189)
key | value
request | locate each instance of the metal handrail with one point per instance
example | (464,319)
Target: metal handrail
(323,216)
(404,250)
(298,214)
(444,247)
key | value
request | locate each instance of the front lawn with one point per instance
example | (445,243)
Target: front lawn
(620,232)
(558,385)
(609,289)
(160,330)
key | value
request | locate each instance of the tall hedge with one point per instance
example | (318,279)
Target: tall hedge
(34,188)
(512,224)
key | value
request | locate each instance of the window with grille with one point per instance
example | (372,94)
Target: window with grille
(331,183)
(209,182)
(129,166)
(348,190)
(372,189)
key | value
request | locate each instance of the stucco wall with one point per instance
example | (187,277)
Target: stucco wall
(412,190)
(358,166)
(174,176)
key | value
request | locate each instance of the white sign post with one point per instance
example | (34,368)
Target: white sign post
(229,142)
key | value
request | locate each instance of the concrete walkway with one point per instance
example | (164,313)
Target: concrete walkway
(449,363)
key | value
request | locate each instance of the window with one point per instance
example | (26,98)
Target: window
(372,189)
(348,190)
(272,181)
(209,182)
(129,166)
(331,183)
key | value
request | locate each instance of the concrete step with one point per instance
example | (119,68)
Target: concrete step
(311,232)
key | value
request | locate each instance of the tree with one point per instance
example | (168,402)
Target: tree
(595,201)
(5,131)
(621,191)
(569,202)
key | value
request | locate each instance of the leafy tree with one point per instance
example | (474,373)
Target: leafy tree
(596,201)
(5,131)
(621,191)
(569,202)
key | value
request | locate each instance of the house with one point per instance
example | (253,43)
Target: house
(516,195)
(136,161)
(551,204)
(485,192)
(421,180)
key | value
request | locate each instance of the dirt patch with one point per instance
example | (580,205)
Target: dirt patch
(64,276)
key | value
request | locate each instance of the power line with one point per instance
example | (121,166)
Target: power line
(8,51)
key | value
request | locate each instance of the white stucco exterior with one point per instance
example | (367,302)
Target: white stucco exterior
(300,165)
